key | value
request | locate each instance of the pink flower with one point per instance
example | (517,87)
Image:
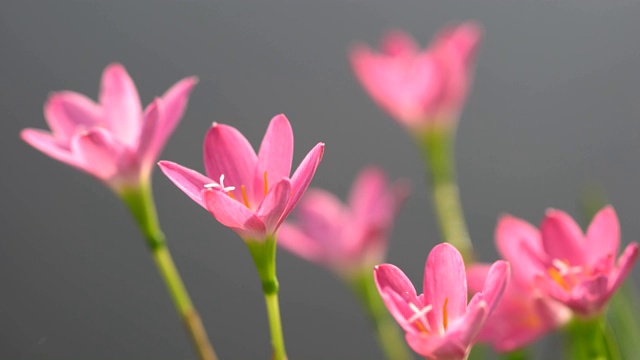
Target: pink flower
(251,194)
(113,140)
(346,237)
(577,270)
(420,88)
(438,323)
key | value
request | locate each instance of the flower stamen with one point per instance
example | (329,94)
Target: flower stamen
(220,186)
(445,318)
(266,183)
(243,189)
(419,317)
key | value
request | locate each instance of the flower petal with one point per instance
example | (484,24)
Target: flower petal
(562,238)
(603,236)
(476,275)
(366,193)
(187,180)
(65,111)
(625,263)
(445,284)
(321,215)
(152,115)
(399,43)
(121,104)
(174,103)
(227,152)
(435,347)
(519,242)
(100,154)
(46,143)
(303,175)
(495,283)
(275,155)
(271,210)
(234,215)
(294,240)
(397,292)
(467,328)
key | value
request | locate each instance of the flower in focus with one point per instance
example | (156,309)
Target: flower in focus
(438,323)
(251,194)
(420,88)
(577,270)
(113,140)
(524,313)
(347,238)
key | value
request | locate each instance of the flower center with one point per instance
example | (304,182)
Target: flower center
(419,317)
(564,274)
(220,186)
(243,189)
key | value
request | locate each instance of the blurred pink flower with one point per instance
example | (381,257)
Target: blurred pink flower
(524,313)
(577,270)
(347,238)
(420,88)
(113,140)
(438,323)
(251,194)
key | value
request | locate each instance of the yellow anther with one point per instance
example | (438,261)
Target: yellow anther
(557,277)
(231,195)
(266,183)
(444,313)
(243,189)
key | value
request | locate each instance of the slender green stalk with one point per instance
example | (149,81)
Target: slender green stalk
(590,340)
(140,202)
(437,150)
(624,319)
(388,334)
(264,257)
(521,354)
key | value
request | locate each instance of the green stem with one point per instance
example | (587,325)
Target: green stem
(437,150)
(520,354)
(264,257)
(388,334)
(140,202)
(591,340)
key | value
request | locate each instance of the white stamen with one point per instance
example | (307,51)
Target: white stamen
(564,268)
(420,314)
(220,186)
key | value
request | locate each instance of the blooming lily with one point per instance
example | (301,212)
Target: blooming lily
(577,270)
(524,313)
(251,194)
(113,140)
(420,88)
(438,323)
(347,238)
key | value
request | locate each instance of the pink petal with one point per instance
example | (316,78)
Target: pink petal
(322,216)
(46,143)
(465,330)
(519,242)
(476,275)
(99,152)
(399,43)
(436,347)
(152,115)
(445,282)
(303,176)
(234,215)
(293,239)
(174,105)
(495,283)
(187,180)
(465,38)
(625,264)
(603,236)
(66,111)
(273,205)
(397,292)
(367,190)
(562,238)
(275,155)
(121,104)
(227,152)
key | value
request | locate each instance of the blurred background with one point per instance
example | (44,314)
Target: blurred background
(555,108)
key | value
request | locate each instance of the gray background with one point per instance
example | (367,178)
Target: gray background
(555,106)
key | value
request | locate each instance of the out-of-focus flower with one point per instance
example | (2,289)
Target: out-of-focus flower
(420,88)
(251,194)
(438,323)
(113,140)
(577,270)
(347,238)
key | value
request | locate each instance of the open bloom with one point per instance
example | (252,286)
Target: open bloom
(251,194)
(438,323)
(420,88)
(113,140)
(525,313)
(577,270)
(346,237)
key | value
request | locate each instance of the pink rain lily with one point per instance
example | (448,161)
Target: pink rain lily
(577,270)
(347,238)
(524,314)
(420,88)
(439,324)
(113,140)
(251,194)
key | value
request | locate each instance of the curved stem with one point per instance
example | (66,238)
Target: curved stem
(140,202)
(591,339)
(387,331)
(264,257)
(437,150)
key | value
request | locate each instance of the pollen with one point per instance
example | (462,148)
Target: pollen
(243,189)
(266,183)
(419,317)
(220,186)
(445,317)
